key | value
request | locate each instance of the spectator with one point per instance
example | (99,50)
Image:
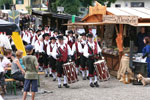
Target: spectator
(31,74)
(17,70)
(2,78)
(140,43)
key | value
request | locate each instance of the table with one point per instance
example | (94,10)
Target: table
(112,61)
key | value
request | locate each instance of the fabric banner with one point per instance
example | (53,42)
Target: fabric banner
(13,16)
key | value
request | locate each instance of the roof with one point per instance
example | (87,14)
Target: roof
(140,12)
(87,23)
(56,15)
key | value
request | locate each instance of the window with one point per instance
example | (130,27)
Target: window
(35,3)
(82,9)
(117,5)
(19,1)
(137,4)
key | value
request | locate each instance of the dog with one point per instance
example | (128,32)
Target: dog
(144,80)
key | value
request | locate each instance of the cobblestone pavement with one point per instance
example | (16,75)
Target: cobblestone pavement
(108,90)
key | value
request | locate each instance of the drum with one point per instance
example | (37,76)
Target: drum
(102,70)
(70,72)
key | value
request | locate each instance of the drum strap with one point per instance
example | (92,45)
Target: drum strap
(90,49)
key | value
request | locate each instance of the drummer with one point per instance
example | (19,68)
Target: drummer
(91,50)
(61,53)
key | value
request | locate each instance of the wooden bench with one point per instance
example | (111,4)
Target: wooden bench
(41,73)
(11,84)
(10,80)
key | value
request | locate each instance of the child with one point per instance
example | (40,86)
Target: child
(31,74)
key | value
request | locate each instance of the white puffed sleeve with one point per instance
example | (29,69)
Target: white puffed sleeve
(80,49)
(48,50)
(69,50)
(85,51)
(73,48)
(99,49)
(54,52)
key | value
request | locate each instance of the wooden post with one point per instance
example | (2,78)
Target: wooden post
(121,32)
(86,28)
(98,31)
(102,31)
(119,40)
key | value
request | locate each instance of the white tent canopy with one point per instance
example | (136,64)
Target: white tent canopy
(140,12)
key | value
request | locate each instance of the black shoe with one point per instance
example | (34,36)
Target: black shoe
(96,84)
(46,75)
(59,86)
(54,79)
(66,85)
(50,75)
(87,77)
(84,78)
(92,85)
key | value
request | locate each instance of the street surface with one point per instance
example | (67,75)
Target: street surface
(108,90)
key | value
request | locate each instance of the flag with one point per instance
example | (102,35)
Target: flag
(13,16)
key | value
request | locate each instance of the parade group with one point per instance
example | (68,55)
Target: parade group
(53,50)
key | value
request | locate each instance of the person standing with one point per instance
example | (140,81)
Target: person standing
(76,50)
(61,53)
(71,38)
(146,53)
(46,43)
(91,50)
(140,43)
(31,73)
(52,61)
(83,59)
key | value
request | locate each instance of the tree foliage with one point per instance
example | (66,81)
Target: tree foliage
(3,2)
(72,6)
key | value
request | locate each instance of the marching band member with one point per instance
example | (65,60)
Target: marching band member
(31,32)
(61,53)
(71,38)
(26,36)
(40,27)
(64,37)
(47,30)
(35,37)
(83,59)
(77,50)
(39,52)
(91,49)
(46,42)
(52,61)
(55,34)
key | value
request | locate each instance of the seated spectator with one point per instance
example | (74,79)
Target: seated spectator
(17,71)
(2,78)
(21,63)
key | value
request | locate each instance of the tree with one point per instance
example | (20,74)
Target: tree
(86,3)
(108,2)
(4,2)
(72,6)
